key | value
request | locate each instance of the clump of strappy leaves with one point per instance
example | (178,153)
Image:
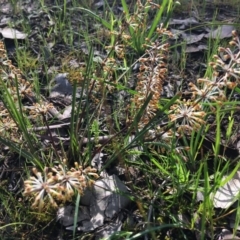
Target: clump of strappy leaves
(14,88)
(190,114)
(133,31)
(56,185)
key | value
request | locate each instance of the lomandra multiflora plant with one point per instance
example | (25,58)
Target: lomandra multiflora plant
(150,79)
(9,76)
(14,89)
(133,30)
(190,114)
(54,185)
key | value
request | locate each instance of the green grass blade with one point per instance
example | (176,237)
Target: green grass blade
(76,215)
(17,115)
(127,16)
(73,124)
(205,204)
(149,230)
(14,224)
(159,166)
(158,17)
(125,8)
(22,152)
(95,16)
(218,134)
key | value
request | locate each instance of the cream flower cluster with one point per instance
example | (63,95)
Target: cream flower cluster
(57,185)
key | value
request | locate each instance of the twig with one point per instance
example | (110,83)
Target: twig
(55,126)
